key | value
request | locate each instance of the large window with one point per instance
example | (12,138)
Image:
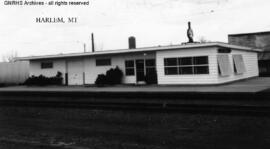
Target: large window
(103,62)
(186,65)
(129,64)
(238,63)
(224,66)
(46,65)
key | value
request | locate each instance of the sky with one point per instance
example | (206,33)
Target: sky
(152,22)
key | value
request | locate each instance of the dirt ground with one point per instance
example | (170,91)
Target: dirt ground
(59,128)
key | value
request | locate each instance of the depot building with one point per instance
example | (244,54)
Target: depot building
(195,63)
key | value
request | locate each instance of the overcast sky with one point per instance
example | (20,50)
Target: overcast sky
(152,22)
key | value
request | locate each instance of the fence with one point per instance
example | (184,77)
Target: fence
(14,72)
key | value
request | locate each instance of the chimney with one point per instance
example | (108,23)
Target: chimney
(93,42)
(132,42)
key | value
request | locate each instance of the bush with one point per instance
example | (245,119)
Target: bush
(42,80)
(151,77)
(112,77)
(101,80)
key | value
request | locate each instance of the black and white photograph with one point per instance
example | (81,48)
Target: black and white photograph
(134,74)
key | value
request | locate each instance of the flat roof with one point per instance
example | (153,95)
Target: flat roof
(253,33)
(143,49)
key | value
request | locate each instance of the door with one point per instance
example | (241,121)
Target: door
(140,70)
(75,72)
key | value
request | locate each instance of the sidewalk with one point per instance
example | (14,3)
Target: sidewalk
(253,85)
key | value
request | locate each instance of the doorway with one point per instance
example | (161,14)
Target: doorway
(146,71)
(140,70)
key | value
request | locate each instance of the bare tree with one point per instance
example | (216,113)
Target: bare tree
(202,39)
(10,57)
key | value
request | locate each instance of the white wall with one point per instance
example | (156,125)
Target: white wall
(89,66)
(250,62)
(14,72)
(92,71)
(210,78)
(58,65)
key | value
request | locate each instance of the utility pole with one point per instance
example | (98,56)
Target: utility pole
(93,42)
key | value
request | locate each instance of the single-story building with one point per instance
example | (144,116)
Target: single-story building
(191,63)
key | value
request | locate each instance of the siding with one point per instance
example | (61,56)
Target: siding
(187,79)
(58,65)
(89,66)
(251,64)
(14,72)
(92,71)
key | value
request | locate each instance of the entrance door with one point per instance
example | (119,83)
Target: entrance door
(75,72)
(140,70)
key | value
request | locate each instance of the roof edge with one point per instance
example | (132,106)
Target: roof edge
(143,49)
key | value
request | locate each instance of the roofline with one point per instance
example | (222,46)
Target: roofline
(241,34)
(143,49)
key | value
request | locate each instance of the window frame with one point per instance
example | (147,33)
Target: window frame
(239,68)
(221,71)
(130,68)
(190,65)
(46,65)
(103,64)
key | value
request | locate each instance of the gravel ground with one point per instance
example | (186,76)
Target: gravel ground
(59,128)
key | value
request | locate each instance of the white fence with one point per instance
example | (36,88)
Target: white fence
(14,72)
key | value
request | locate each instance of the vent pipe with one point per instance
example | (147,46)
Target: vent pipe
(132,42)
(93,42)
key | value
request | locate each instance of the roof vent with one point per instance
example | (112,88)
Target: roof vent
(132,42)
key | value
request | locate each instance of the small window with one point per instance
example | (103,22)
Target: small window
(129,64)
(201,70)
(185,70)
(224,65)
(201,60)
(103,62)
(185,61)
(170,61)
(239,66)
(224,50)
(171,71)
(46,65)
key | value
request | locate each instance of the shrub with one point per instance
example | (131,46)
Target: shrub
(42,80)
(112,77)
(151,77)
(101,80)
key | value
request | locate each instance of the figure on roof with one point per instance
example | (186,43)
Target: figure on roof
(190,33)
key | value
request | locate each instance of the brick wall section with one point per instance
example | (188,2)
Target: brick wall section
(257,40)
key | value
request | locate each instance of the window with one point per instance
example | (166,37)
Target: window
(150,66)
(130,68)
(170,66)
(224,50)
(186,65)
(224,65)
(239,66)
(103,62)
(46,65)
